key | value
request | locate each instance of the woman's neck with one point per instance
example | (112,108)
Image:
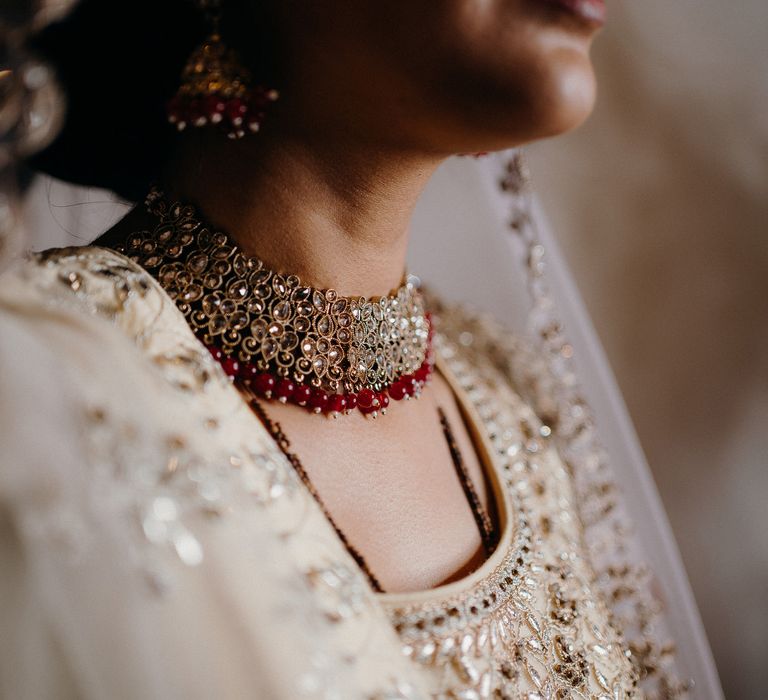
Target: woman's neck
(335,215)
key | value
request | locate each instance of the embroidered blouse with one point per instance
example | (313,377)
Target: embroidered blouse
(155,542)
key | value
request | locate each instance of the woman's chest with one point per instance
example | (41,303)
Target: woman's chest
(405,490)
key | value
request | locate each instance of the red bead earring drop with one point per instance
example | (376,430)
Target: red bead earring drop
(216,89)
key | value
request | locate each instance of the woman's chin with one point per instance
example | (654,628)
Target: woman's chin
(552,100)
(564,101)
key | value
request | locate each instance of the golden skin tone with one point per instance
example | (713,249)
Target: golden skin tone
(374,96)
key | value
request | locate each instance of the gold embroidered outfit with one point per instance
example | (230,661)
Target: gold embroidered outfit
(174,553)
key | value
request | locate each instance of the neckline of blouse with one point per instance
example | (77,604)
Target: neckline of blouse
(488,463)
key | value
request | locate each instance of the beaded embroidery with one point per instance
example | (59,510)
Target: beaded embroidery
(533,627)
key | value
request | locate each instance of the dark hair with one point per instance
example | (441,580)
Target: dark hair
(118,64)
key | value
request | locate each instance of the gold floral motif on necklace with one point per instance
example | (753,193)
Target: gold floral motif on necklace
(256,315)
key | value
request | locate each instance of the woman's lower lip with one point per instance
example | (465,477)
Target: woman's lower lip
(590,11)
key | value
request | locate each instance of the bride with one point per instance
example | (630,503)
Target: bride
(244,453)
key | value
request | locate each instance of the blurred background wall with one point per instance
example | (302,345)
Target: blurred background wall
(661,205)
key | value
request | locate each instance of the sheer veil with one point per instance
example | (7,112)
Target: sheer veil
(480,237)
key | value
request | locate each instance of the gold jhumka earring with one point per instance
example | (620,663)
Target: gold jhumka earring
(216,88)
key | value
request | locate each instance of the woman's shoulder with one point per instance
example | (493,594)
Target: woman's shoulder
(71,301)
(93,279)
(57,304)
(108,410)
(87,338)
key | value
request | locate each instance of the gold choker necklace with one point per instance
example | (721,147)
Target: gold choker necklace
(261,323)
